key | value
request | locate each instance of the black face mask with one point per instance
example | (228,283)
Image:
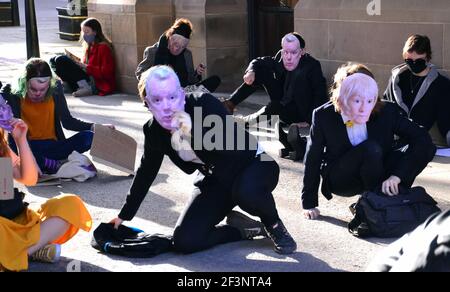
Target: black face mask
(416,66)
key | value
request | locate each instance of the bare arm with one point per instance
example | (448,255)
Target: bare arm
(25,169)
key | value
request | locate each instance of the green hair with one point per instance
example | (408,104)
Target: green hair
(35,67)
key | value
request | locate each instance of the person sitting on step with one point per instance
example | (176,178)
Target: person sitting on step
(95,73)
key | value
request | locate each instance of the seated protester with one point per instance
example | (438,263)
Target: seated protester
(36,233)
(419,90)
(351,145)
(295,84)
(171,50)
(39,100)
(227,177)
(95,73)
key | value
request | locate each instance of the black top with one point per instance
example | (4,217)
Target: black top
(329,142)
(409,85)
(306,85)
(224,165)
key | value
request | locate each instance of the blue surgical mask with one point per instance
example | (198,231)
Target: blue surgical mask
(89,38)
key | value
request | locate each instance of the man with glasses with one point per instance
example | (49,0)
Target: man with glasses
(296,86)
(419,90)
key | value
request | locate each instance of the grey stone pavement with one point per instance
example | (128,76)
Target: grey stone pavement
(323,245)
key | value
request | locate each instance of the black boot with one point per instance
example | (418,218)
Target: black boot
(297,143)
(282,240)
(248,227)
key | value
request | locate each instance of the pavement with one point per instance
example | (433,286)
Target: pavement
(323,245)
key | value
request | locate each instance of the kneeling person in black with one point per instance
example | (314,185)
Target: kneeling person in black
(351,145)
(227,177)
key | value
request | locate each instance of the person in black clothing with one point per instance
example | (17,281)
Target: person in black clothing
(227,177)
(296,86)
(171,50)
(351,145)
(419,90)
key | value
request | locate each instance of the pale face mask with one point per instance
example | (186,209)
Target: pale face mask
(164,100)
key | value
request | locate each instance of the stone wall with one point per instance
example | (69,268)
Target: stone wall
(337,31)
(132,25)
(220,38)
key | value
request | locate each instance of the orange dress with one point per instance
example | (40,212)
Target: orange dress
(17,235)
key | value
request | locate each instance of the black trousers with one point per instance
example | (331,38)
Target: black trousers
(68,71)
(252,191)
(211,83)
(365,168)
(288,114)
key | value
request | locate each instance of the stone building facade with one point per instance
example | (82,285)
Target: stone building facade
(336,31)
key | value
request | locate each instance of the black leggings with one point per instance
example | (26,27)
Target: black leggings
(211,83)
(364,168)
(68,71)
(252,191)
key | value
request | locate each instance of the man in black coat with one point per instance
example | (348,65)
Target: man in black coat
(295,84)
(231,171)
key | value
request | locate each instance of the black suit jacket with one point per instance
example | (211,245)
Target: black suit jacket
(307,86)
(329,141)
(224,163)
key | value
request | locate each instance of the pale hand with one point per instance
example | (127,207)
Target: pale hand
(390,186)
(311,214)
(20,129)
(200,69)
(117,222)
(249,77)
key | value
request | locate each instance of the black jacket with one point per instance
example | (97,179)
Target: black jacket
(307,87)
(432,103)
(224,165)
(329,142)
(62,113)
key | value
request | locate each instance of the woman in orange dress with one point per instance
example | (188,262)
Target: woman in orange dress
(37,234)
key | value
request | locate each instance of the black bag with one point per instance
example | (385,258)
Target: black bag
(129,242)
(380,215)
(10,209)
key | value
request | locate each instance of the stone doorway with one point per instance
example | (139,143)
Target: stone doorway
(269,21)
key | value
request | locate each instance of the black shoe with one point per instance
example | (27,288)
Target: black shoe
(297,143)
(283,153)
(283,241)
(248,227)
(352,209)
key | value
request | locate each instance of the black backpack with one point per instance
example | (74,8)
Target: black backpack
(129,242)
(380,215)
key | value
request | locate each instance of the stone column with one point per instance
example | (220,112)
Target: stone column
(132,25)
(351,30)
(220,37)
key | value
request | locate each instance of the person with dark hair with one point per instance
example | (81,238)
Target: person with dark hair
(351,145)
(419,90)
(95,73)
(296,86)
(171,50)
(238,174)
(39,100)
(28,232)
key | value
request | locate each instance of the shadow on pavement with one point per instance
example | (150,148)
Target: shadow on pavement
(244,256)
(65,265)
